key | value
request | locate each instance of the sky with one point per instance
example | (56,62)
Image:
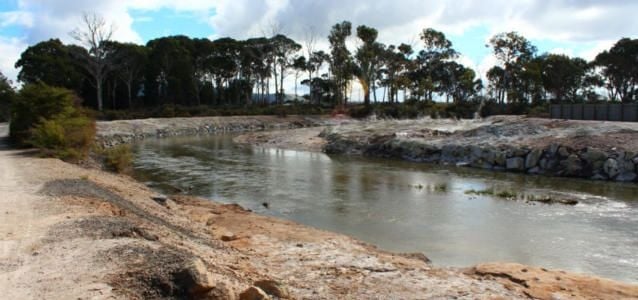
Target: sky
(574,27)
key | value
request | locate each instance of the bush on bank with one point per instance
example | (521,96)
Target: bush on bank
(50,119)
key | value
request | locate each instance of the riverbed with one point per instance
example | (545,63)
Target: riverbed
(409,207)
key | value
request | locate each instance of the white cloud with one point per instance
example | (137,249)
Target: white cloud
(567,21)
(11,48)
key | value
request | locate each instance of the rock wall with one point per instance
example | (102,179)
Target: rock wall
(553,160)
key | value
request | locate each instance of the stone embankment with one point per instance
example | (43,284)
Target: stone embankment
(113,133)
(593,150)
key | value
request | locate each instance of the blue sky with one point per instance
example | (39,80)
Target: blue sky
(578,28)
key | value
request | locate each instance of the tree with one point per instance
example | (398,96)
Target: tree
(97,60)
(513,51)
(368,59)
(129,66)
(300,64)
(341,63)
(284,50)
(170,72)
(563,76)
(50,62)
(6,97)
(432,63)
(620,69)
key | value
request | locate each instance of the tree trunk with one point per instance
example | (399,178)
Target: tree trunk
(100,101)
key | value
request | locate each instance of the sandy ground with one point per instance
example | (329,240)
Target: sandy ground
(72,233)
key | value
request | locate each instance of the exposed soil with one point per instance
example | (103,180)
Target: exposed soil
(73,233)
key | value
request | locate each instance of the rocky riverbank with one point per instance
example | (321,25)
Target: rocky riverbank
(582,149)
(113,133)
(74,233)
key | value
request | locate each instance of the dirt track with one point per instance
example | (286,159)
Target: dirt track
(74,233)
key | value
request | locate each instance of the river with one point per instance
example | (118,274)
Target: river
(408,207)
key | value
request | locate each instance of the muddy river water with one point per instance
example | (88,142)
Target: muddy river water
(408,207)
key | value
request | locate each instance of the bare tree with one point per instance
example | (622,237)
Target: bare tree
(93,35)
(310,40)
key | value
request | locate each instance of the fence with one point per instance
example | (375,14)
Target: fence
(600,112)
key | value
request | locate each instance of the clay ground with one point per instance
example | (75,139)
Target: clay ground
(68,232)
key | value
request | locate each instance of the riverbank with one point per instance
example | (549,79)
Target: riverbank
(70,232)
(112,133)
(582,149)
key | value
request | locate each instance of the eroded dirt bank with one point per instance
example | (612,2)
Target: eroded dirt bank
(74,233)
(118,132)
(585,149)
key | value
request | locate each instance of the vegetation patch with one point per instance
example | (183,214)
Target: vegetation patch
(118,159)
(51,120)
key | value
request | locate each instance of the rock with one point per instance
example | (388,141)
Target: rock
(253,293)
(197,278)
(229,237)
(627,177)
(611,168)
(500,158)
(273,288)
(573,165)
(563,151)
(417,256)
(516,164)
(161,199)
(548,164)
(626,166)
(533,158)
(595,158)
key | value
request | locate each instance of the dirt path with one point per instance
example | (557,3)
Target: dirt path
(31,268)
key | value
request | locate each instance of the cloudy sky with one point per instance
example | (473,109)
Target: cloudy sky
(575,27)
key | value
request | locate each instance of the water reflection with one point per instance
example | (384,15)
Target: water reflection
(408,207)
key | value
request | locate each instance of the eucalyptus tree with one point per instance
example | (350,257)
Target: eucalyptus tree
(255,54)
(432,62)
(396,64)
(619,70)
(93,35)
(299,65)
(341,65)
(368,59)
(170,71)
(459,82)
(284,49)
(563,76)
(225,64)
(130,65)
(513,51)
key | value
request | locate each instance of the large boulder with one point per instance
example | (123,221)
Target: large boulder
(594,158)
(572,166)
(611,168)
(533,158)
(515,164)
(627,177)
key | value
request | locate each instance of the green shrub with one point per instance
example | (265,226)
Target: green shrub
(35,103)
(49,118)
(65,137)
(119,158)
